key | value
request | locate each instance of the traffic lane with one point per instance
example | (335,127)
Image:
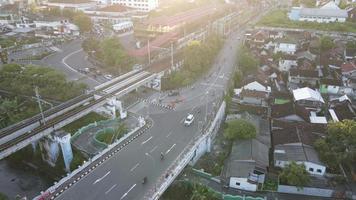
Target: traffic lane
(121,164)
(171,144)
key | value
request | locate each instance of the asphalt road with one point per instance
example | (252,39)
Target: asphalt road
(69,60)
(120,177)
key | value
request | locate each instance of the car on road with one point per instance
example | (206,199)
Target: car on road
(189,120)
(173,93)
(108,76)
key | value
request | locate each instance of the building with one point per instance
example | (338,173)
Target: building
(284,65)
(300,153)
(287,48)
(327,13)
(308,98)
(142,5)
(253,93)
(304,77)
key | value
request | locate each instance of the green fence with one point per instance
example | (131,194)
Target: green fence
(103,124)
(201,173)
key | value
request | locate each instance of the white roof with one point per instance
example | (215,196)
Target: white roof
(256,86)
(307,94)
(333,115)
(330,5)
(314,119)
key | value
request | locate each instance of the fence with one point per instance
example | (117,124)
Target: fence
(186,155)
(305,191)
(97,157)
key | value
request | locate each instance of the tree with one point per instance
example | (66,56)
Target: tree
(83,22)
(294,174)
(247,62)
(339,146)
(8,112)
(238,77)
(240,129)
(326,43)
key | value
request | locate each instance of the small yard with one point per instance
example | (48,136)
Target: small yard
(279,18)
(109,135)
(92,117)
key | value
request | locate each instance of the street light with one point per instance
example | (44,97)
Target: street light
(154,166)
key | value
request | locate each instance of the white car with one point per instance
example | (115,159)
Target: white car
(189,120)
(108,76)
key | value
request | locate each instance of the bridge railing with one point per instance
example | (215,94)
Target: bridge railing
(185,156)
(53,188)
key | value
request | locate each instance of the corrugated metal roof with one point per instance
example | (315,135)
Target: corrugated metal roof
(316,12)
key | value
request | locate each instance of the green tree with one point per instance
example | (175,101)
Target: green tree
(247,62)
(52,84)
(294,174)
(326,43)
(3,196)
(114,56)
(339,146)
(83,22)
(240,129)
(201,192)
(238,77)
(8,112)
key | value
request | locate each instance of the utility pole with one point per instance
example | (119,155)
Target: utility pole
(38,97)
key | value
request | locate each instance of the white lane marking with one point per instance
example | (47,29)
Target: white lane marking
(109,190)
(181,121)
(71,68)
(99,179)
(170,148)
(134,167)
(144,142)
(154,148)
(169,134)
(132,187)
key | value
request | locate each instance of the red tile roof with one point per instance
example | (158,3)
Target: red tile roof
(188,16)
(348,67)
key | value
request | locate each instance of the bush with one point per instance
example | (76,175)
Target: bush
(279,18)
(198,58)
(240,129)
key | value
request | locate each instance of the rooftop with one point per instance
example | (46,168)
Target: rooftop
(307,94)
(296,152)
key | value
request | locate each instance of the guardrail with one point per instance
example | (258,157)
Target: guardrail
(55,190)
(186,156)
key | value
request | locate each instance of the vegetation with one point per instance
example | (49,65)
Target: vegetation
(279,18)
(270,185)
(240,129)
(110,135)
(339,146)
(78,17)
(247,62)
(294,174)
(11,41)
(306,3)
(326,43)
(109,52)
(190,191)
(84,121)
(3,197)
(51,84)
(83,22)
(198,58)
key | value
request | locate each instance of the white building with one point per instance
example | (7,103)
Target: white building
(285,65)
(142,5)
(327,13)
(300,153)
(287,48)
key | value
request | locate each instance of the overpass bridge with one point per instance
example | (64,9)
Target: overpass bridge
(19,135)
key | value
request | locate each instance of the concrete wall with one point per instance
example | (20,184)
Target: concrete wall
(305,191)
(308,165)
(242,184)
